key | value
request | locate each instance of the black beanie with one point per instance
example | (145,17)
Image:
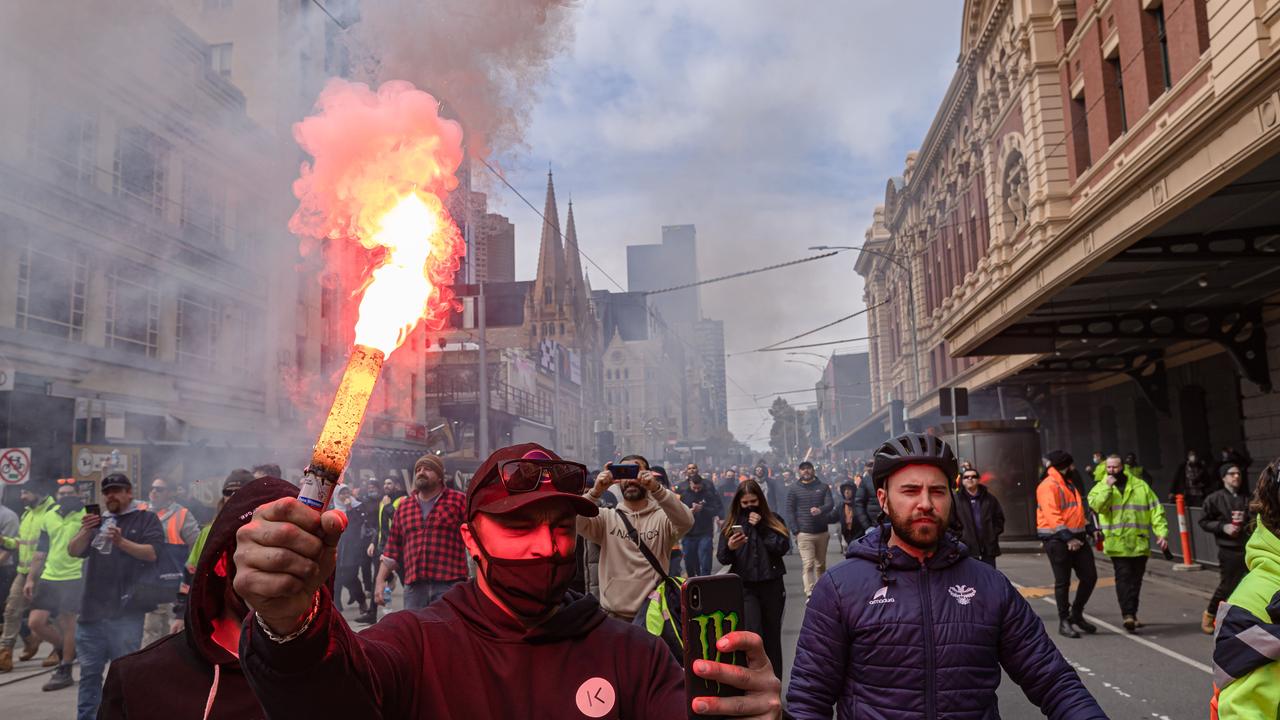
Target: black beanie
(1060,459)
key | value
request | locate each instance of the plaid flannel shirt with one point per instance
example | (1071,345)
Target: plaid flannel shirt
(429,548)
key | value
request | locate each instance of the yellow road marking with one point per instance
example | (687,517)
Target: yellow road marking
(1031,593)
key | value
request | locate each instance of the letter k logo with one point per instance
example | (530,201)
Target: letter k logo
(596,697)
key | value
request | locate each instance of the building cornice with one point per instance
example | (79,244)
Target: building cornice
(1207,115)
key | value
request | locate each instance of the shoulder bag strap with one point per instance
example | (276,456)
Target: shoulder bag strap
(644,549)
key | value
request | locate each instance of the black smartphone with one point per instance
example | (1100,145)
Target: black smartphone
(93,509)
(625,471)
(712,608)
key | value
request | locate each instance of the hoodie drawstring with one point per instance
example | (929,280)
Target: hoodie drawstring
(213,691)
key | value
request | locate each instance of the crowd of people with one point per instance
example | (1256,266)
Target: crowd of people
(542,568)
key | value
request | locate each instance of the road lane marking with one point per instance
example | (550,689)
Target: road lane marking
(1136,638)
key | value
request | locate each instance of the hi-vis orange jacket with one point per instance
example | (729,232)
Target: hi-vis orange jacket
(1060,511)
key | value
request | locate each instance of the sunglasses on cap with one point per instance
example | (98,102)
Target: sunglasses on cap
(66,481)
(521,476)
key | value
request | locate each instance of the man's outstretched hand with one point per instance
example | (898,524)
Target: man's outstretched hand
(763,692)
(283,555)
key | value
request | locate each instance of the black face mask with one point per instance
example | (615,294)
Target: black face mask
(529,587)
(70,504)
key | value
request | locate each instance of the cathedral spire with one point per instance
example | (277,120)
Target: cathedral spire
(548,287)
(573,262)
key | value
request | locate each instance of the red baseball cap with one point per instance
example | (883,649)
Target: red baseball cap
(487,494)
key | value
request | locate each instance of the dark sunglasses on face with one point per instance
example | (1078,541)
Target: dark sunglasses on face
(970,477)
(520,476)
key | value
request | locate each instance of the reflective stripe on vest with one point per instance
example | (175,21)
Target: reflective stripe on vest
(173,527)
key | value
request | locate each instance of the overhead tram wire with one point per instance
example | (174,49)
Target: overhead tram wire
(814,345)
(798,347)
(823,327)
(547,223)
(744,273)
(325,10)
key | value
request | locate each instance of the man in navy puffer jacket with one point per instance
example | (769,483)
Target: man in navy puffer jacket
(911,627)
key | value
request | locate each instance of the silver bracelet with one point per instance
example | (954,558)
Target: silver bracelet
(282,639)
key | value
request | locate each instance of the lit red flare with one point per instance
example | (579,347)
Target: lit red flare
(383,164)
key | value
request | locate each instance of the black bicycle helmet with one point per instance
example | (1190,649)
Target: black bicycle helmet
(912,449)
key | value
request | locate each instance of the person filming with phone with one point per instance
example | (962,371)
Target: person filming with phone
(659,520)
(513,642)
(752,544)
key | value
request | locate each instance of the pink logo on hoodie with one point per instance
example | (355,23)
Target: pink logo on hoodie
(596,697)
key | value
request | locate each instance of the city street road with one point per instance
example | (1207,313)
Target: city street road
(1160,674)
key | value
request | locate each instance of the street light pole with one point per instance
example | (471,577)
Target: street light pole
(911,302)
(483,444)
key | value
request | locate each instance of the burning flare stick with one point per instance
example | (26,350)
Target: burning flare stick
(383,164)
(332,451)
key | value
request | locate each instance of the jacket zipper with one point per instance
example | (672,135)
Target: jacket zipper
(929,701)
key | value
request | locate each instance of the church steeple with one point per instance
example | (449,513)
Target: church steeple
(578,294)
(549,286)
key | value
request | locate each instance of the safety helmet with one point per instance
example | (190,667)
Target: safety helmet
(912,449)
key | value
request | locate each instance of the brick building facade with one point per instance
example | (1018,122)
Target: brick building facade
(1087,233)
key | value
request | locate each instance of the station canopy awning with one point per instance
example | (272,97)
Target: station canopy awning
(1208,276)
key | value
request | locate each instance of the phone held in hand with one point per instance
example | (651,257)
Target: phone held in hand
(625,471)
(735,529)
(712,608)
(93,509)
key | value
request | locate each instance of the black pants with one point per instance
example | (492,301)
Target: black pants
(348,577)
(1129,572)
(1063,561)
(368,573)
(763,603)
(1232,570)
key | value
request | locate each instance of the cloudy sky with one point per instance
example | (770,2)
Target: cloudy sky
(770,126)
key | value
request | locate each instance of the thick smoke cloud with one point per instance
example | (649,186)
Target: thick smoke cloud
(483,58)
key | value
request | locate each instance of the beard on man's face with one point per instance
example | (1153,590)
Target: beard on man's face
(425,482)
(634,492)
(918,530)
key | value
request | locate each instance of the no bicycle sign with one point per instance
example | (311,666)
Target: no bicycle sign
(15,465)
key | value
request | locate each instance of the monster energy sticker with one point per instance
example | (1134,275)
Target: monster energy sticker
(716,621)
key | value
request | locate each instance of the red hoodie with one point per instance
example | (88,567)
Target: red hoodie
(188,675)
(464,657)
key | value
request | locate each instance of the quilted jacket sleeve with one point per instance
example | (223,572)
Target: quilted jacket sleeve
(1034,663)
(822,653)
